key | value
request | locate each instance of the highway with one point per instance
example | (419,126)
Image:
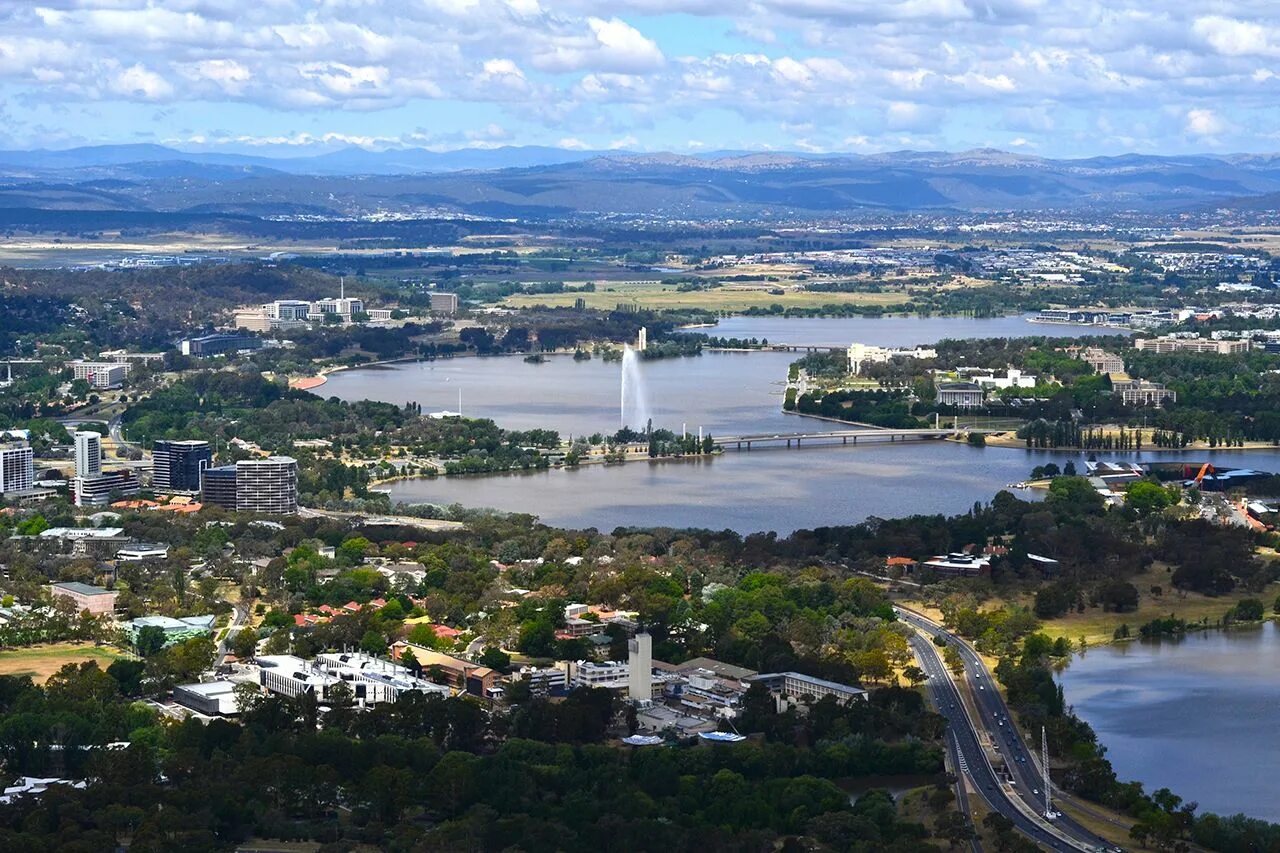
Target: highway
(1024,798)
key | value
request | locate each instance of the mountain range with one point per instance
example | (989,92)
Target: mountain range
(545,182)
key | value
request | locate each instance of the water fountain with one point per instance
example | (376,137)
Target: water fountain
(634,403)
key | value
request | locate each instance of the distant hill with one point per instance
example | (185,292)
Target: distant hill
(540,182)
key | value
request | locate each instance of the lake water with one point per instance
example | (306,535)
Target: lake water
(1200,716)
(725,394)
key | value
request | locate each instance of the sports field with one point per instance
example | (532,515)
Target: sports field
(40,662)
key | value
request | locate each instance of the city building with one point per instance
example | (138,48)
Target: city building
(120,356)
(218,487)
(100,374)
(1142,392)
(88,453)
(543,681)
(861,355)
(444,303)
(1013,378)
(178,466)
(137,552)
(795,685)
(375,680)
(959,565)
(289,676)
(1169,343)
(17,468)
(640,668)
(212,698)
(344,307)
(267,485)
(1101,361)
(105,488)
(87,598)
(463,675)
(175,630)
(218,343)
(610,675)
(962,395)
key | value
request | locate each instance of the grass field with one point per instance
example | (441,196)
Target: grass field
(40,662)
(730,298)
(1099,627)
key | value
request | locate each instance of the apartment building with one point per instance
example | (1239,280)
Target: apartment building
(267,485)
(17,468)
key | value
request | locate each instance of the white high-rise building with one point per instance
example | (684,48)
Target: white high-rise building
(267,485)
(17,467)
(640,668)
(88,454)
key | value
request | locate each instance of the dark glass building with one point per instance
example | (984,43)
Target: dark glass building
(219,487)
(178,466)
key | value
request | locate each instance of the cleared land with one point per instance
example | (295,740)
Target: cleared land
(728,298)
(40,662)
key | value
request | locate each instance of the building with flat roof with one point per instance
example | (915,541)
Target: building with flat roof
(959,565)
(611,675)
(962,395)
(105,488)
(1142,392)
(94,600)
(218,487)
(443,303)
(796,685)
(175,630)
(1101,361)
(88,453)
(463,675)
(177,466)
(100,374)
(267,485)
(218,343)
(212,698)
(1168,343)
(17,468)
(640,668)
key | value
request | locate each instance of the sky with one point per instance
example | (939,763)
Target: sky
(1057,78)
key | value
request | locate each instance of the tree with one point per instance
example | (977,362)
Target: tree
(495,658)
(1146,498)
(149,640)
(914,675)
(247,696)
(244,645)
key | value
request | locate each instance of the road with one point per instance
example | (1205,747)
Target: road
(238,617)
(1024,797)
(432,524)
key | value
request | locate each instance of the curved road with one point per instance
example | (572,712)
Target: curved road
(1020,801)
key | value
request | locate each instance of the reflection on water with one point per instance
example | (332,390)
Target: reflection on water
(1200,715)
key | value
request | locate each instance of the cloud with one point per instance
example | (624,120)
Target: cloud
(952,73)
(1203,123)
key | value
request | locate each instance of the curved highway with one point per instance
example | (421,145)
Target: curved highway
(1021,802)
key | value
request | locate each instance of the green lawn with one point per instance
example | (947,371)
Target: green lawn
(40,662)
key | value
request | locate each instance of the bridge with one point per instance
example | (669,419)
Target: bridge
(864,436)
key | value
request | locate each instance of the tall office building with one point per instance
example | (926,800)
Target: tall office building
(218,487)
(177,466)
(17,467)
(88,454)
(640,668)
(267,485)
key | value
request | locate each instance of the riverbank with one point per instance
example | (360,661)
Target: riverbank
(1010,440)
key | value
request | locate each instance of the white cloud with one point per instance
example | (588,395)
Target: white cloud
(1204,123)
(137,81)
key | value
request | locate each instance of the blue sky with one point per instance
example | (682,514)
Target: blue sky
(1065,78)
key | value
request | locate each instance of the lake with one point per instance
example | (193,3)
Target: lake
(725,394)
(1200,715)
